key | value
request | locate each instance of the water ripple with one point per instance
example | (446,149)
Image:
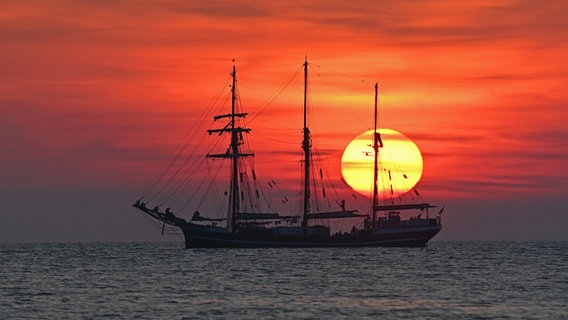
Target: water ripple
(481,280)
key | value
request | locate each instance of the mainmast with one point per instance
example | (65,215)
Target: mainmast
(306,146)
(233,152)
(376,145)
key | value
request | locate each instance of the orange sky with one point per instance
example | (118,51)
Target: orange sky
(94,95)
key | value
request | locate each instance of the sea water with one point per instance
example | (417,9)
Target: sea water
(446,280)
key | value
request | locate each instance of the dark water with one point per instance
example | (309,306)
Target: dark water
(468,280)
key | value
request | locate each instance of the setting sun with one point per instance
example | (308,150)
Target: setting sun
(400,163)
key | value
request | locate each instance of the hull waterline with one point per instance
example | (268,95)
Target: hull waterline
(199,237)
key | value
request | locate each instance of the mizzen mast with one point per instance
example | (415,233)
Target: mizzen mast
(377,143)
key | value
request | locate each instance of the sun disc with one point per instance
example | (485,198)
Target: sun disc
(400,163)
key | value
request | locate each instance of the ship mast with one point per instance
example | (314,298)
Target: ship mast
(233,152)
(378,143)
(306,146)
(376,140)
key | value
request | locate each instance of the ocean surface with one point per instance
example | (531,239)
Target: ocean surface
(447,280)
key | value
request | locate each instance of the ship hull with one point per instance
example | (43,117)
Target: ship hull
(197,236)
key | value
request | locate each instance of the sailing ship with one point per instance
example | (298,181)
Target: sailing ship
(243,226)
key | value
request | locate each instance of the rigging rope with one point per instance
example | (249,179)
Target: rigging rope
(267,104)
(181,147)
(341,98)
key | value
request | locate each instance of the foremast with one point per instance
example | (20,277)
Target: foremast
(233,152)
